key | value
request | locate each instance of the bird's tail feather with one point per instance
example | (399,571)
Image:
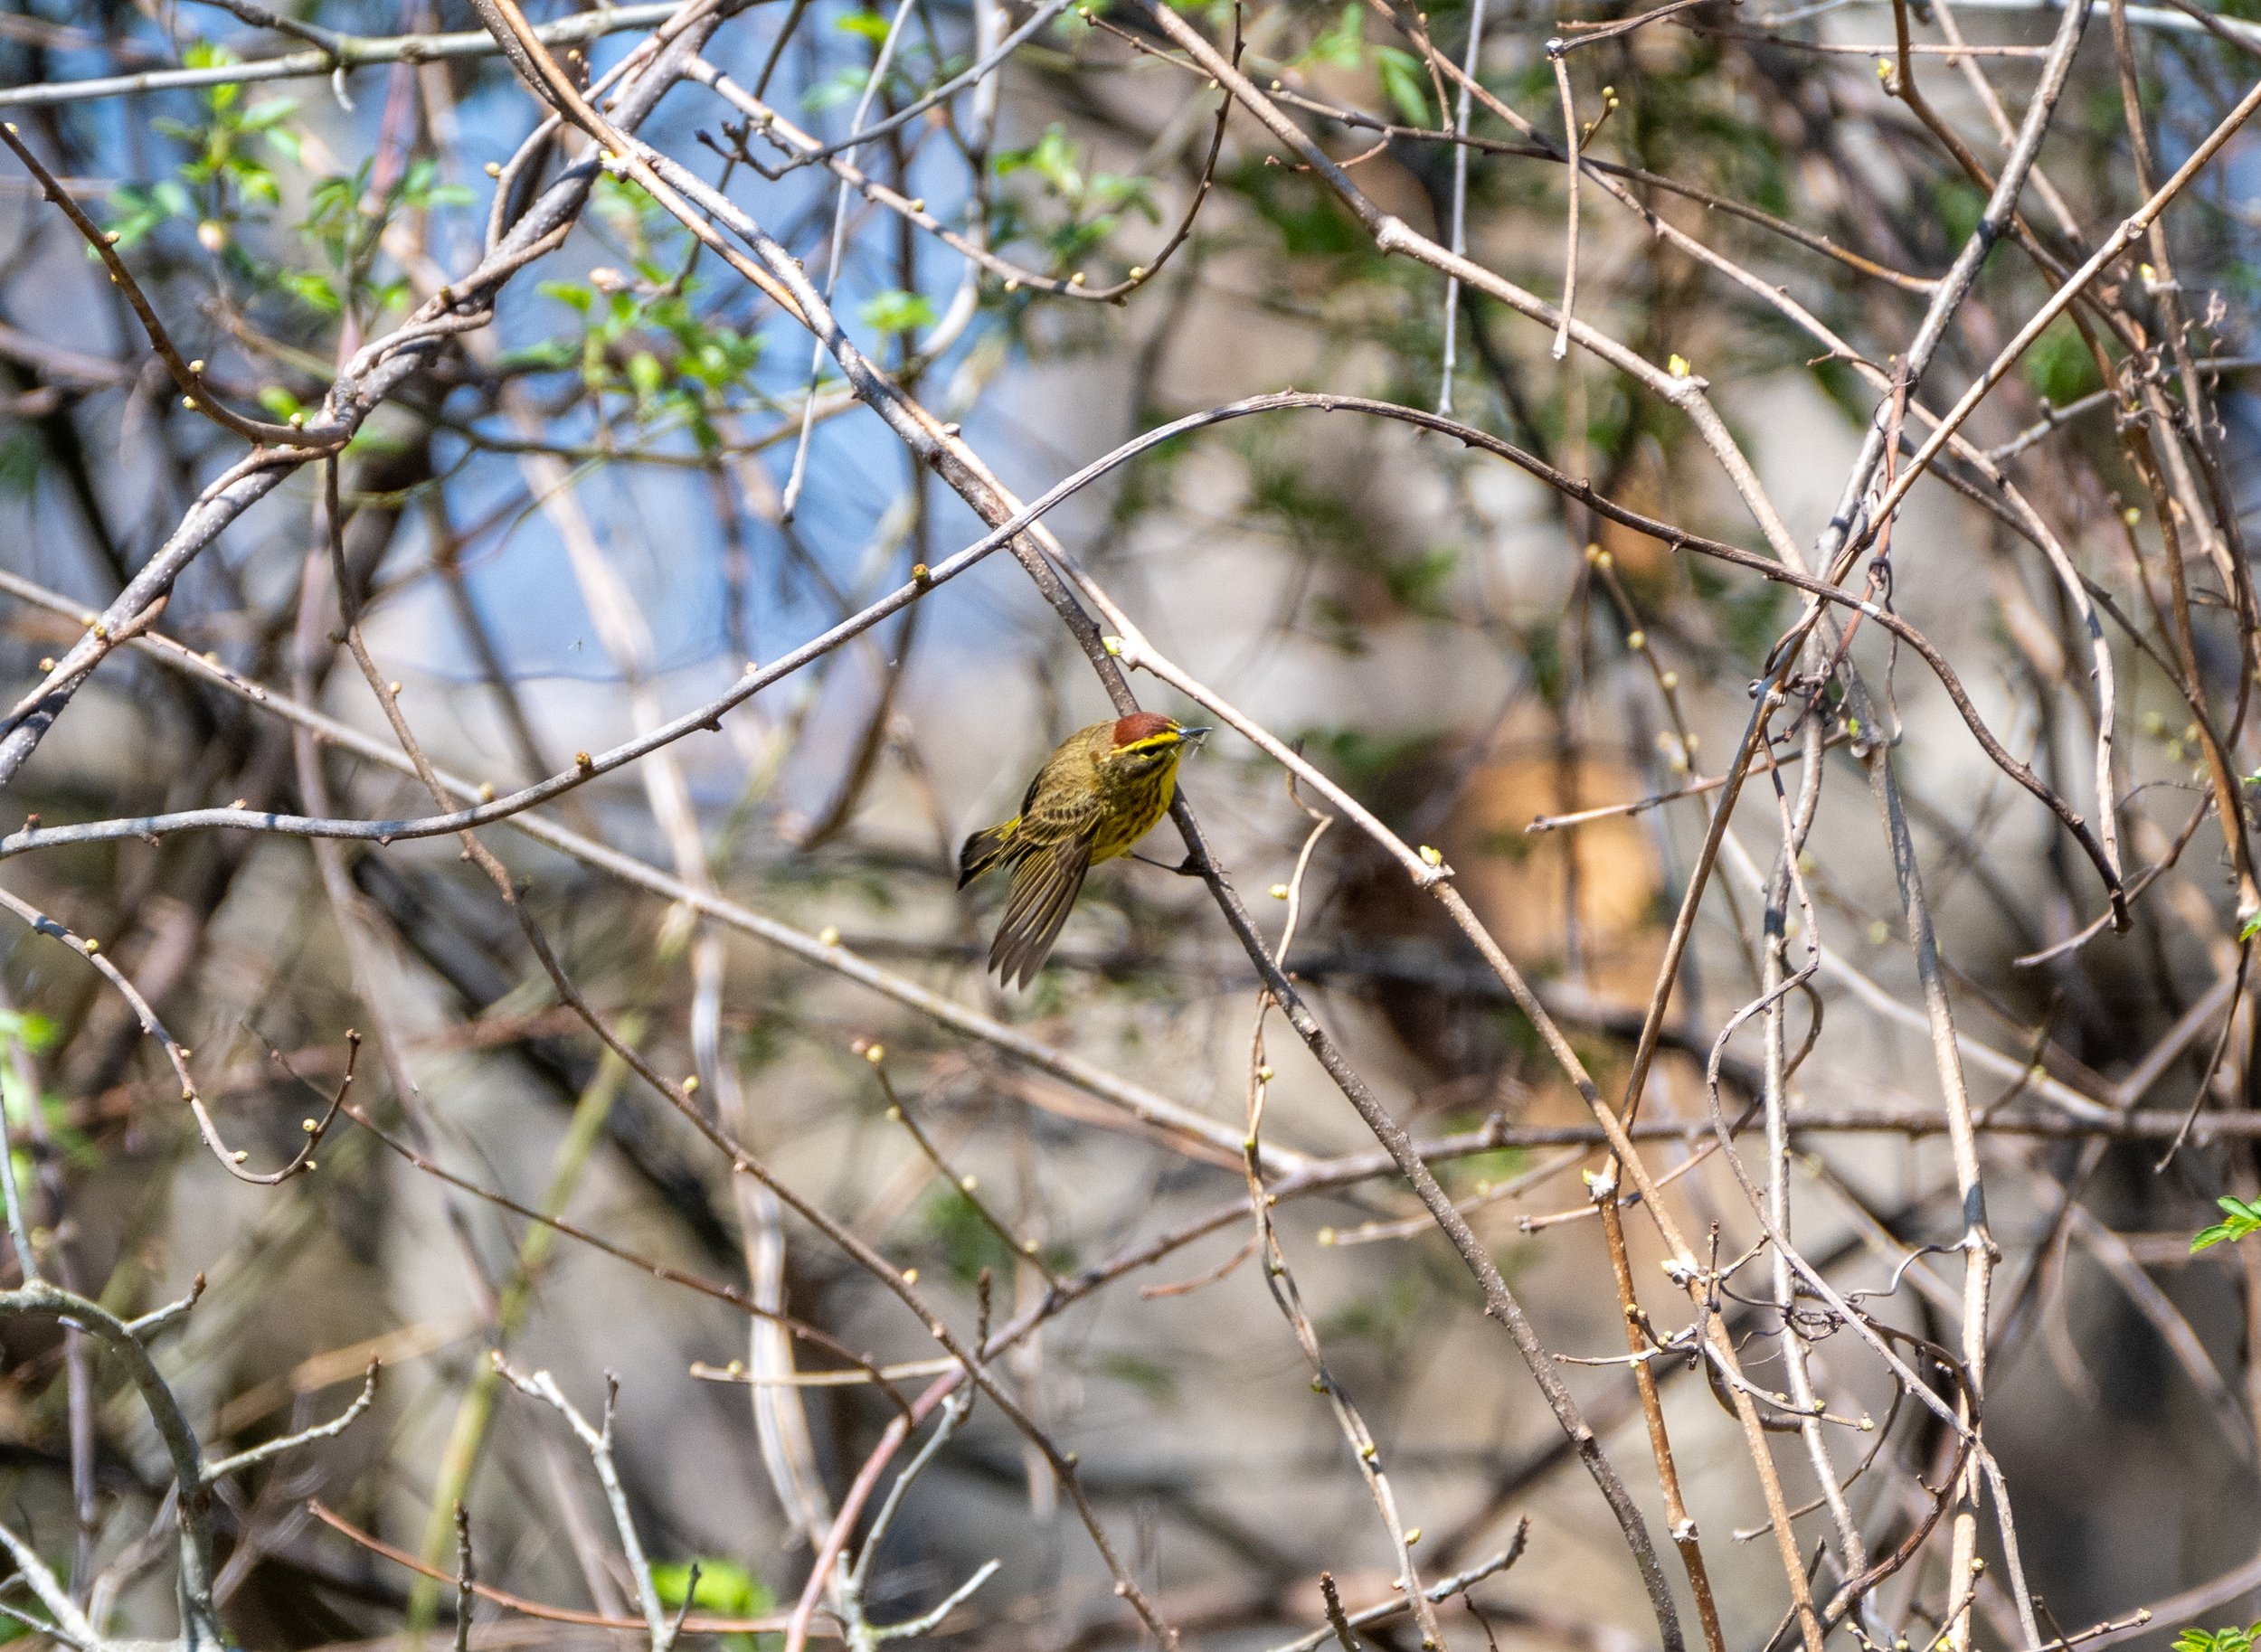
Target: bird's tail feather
(1045,886)
(984,849)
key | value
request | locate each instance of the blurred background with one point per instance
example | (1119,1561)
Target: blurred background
(589,518)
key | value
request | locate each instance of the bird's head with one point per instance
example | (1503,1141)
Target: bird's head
(1147,740)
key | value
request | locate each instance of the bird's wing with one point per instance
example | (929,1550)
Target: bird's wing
(1059,825)
(984,849)
(1045,883)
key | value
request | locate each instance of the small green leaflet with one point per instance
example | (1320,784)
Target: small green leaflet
(2242,1221)
(2232,1639)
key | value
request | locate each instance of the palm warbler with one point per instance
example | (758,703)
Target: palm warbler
(1093,798)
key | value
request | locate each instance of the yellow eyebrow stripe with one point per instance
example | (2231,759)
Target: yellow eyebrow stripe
(1153,742)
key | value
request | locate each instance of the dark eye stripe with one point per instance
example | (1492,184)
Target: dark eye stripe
(1152,742)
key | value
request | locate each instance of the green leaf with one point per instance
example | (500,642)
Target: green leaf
(871,26)
(844,86)
(267,112)
(725,1588)
(1342,44)
(2230,1639)
(646,374)
(2059,366)
(566,293)
(16,1108)
(36,1030)
(280,401)
(328,198)
(1116,190)
(719,358)
(950,1226)
(311,288)
(547,355)
(2250,928)
(1152,1378)
(898,312)
(136,213)
(1402,79)
(1419,582)
(1052,157)
(23,456)
(2244,1222)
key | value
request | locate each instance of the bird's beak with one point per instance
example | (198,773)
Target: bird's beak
(1190,736)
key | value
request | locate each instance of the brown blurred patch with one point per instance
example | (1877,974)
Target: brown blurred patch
(1520,883)
(1423,976)
(1643,562)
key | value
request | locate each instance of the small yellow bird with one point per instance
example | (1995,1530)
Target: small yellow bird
(1093,798)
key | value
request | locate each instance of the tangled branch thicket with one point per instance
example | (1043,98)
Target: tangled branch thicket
(1696,1089)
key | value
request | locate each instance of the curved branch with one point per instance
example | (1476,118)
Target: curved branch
(707,716)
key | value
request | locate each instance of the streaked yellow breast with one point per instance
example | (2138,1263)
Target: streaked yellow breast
(1135,803)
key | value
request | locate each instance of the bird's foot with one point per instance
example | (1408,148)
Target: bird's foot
(1187,868)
